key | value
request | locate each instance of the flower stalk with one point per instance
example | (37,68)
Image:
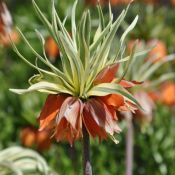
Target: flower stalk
(129,144)
(87,168)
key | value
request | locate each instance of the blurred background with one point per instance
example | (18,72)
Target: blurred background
(154,132)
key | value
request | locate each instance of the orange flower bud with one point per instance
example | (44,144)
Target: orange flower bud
(32,137)
(43,141)
(168,94)
(51,48)
(158,52)
(27,136)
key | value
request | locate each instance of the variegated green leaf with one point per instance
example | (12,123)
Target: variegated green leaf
(43,85)
(73,23)
(131,27)
(43,19)
(153,67)
(21,161)
(161,79)
(111,88)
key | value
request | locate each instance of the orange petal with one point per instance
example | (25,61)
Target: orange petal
(70,110)
(128,106)
(50,110)
(62,130)
(98,119)
(69,122)
(114,100)
(92,127)
(66,132)
(112,110)
(129,84)
(107,74)
(154,95)
(110,117)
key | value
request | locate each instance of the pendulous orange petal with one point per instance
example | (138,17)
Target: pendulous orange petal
(92,127)
(65,132)
(128,106)
(43,140)
(98,119)
(129,84)
(70,110)
(107,74)
(114,100)
(69,121)
(50,110)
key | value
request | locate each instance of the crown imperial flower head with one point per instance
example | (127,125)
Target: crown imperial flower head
(85,91)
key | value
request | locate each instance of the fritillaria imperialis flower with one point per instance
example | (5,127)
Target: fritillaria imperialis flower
(143,70)
(165,94)
(158,50)
(85,91)
(66,114)
(31,137)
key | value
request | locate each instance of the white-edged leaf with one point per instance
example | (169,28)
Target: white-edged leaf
(41,86)
(104,89)
(131,27)
(73,24)
(43,18)
(128,64)
(153,67)
(101,17)
(160,80)
(19,161)
(39,56)
(75,63)
(29,63)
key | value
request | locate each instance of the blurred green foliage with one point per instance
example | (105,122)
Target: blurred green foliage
(154,148)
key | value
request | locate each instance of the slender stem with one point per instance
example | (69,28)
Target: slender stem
(87,169)
(129,144)
(72,153)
